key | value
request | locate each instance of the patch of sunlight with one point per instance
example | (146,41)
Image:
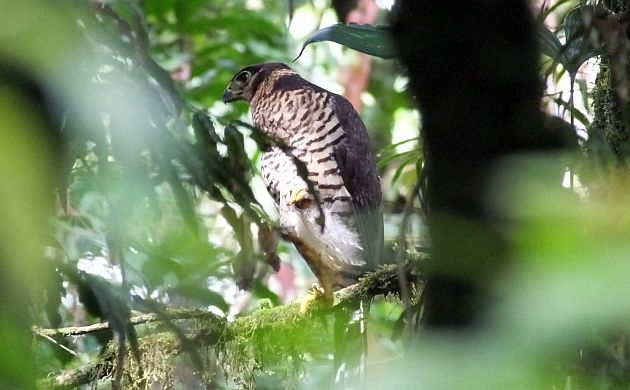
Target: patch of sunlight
(304,22)
(368,99)
(320,4)
(406,124)
(329,17)
(400,83)
(255,5)
(576,185)
(387,4)
(100,266)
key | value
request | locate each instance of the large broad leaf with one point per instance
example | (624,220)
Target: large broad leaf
(551,46)
(577,49)
(372,40)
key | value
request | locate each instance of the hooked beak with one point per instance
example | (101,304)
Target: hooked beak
(233,92)
(228,96)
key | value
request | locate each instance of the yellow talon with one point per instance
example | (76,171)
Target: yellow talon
(299,198)
(315,295)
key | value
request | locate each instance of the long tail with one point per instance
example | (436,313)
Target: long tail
(350,340)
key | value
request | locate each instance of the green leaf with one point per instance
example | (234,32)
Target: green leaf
(291,6)
(200,294)
(399,171)
(551,46)
(382,162)
(392,148)
(576,51)
(159,7)
(186,9)
(261,291)
(553,8)
(579,115)
(183,199)
(368,39)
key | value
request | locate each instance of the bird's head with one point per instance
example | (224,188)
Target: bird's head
(244,84)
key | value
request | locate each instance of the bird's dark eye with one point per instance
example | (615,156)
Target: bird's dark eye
(243,77)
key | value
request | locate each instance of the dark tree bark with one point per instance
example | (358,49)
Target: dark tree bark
(473,68)
(609,138)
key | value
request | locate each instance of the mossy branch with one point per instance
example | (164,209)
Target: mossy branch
(209,330)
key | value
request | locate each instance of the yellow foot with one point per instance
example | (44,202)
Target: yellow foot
(315,294)
(299,198)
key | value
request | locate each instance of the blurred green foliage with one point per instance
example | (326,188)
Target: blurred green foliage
(126,188)
(148,199)
(25,171)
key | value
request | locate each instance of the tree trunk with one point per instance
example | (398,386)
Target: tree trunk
(473,67)
(609,140)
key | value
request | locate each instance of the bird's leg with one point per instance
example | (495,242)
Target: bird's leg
(317,289)
(315,293)
(299,197)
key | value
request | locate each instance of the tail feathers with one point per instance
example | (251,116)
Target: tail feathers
(350,339)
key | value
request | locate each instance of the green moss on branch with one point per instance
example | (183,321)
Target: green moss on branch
(250,345)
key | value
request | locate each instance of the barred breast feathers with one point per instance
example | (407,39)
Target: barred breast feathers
(302,114)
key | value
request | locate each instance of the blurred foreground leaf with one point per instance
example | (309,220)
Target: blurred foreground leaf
(562,314)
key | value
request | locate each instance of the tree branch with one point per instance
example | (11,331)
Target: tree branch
(173,314)
(211,330)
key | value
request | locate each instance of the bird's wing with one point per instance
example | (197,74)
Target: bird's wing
(358,170)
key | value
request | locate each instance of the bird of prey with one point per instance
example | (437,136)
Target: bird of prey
(319,169)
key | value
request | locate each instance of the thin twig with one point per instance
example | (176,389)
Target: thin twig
(178,314)
(59,344)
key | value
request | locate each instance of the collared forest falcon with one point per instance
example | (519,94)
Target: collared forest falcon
(321,129)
